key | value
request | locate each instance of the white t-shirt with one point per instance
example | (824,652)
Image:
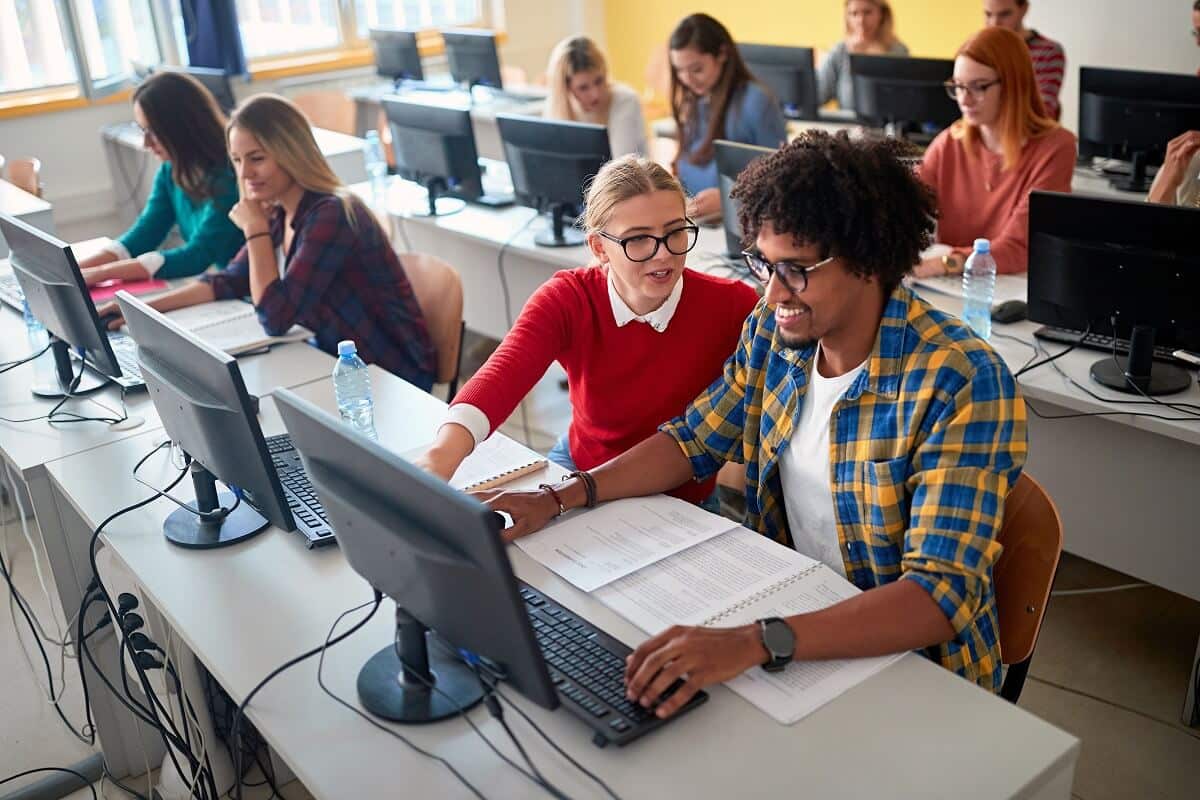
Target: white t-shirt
(626,125)
(804,470)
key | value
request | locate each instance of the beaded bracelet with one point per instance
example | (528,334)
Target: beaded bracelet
(562,509)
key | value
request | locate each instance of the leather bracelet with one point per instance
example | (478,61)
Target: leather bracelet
(589,486)
(562,509)
(256,235)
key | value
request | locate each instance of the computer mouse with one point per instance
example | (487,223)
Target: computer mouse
(1009,311)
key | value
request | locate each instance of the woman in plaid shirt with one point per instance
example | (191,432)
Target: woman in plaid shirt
(314,255)
(878,433)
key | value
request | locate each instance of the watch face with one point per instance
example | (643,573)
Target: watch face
(779,639)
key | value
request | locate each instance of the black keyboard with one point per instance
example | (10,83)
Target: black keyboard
(307,511)
(1104,344)
(587,667)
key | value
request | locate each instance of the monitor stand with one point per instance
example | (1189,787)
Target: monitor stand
(1137,180)
(186,528)
(437,206)
(66,382)
(1138,373)
(559,235)
(424,688)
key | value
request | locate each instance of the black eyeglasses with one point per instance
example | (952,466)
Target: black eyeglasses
(975,89)
(793,275)
(644,246)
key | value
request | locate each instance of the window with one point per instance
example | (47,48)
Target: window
(35,51)
(282,27)
(46,44)
(414,14)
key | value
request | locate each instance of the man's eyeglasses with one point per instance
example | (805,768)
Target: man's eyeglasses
(644,246)
(793,275)
(975,89)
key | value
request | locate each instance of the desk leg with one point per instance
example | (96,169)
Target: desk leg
(125,743)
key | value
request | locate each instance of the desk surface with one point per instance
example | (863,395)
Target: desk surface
(967,741)
(28,445)
(17,202)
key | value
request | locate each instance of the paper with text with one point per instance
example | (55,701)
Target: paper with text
(618,538)
(703,581)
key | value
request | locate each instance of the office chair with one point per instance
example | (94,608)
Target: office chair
(1032,538)
(26,174)
(439,292)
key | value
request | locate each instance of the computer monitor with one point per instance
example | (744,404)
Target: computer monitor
(215,80)
(438,553)
(1093,260)
(396,54)
(1132,115)
(54,288)
(898,93)
(789,73)
(473,58)
(552,162)
(434,145)
(205,408)
(732,158)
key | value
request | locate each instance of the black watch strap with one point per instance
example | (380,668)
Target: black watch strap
(779,641)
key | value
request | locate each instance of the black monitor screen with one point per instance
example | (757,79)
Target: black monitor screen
(47,272)
(552,161)
(216,81)
(788,72)
(888,89)
(1124,111)
(435,143)
(1092,259)
(732,158)
(396,54)
(473,58)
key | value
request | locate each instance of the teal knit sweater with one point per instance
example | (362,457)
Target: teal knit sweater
(209,236)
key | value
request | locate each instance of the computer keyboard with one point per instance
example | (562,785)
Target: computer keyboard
(1102,343)
(306,508)
(125,349)
(587,667)
(10,292)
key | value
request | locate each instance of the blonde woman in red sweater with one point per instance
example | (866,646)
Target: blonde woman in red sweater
(638,333)
(984,166)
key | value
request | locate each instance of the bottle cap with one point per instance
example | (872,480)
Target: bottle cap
(372,136)
(983,246)
(346,348)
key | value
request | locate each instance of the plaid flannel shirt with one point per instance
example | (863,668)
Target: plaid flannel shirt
(924,446)
(340,283)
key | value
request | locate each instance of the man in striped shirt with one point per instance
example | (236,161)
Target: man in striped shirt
(1049,61)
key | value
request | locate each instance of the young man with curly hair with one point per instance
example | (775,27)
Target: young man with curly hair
(880,435)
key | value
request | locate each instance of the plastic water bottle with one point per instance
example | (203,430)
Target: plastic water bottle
(43,367)
(352,387)
(979,288)
(377,167)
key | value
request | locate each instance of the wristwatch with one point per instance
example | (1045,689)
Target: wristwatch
(780,642)
(951,264)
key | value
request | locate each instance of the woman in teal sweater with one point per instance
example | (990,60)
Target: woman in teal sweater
(194,188)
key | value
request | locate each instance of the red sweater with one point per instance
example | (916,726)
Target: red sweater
(624,382)
(979,199)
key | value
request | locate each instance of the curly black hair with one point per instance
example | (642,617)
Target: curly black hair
(857,199)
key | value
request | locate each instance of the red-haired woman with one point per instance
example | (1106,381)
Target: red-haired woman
(985,165)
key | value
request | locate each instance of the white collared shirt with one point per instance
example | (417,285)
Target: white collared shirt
(477,423)
(658,319)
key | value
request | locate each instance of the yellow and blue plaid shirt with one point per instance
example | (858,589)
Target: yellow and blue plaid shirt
(924,446)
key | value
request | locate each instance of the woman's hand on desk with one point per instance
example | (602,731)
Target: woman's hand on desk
(530,511)
(930,267)
(110,314)
(698,656)
(129,269)
(706,203)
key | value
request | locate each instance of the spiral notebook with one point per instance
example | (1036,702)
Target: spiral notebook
(495,462)
(734,579)
(232,326)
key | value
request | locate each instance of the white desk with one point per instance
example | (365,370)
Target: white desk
(367,107)
(244,610)
(27,448)
(132,168)
(16,202)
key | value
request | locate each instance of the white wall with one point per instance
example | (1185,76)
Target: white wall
(1149,35)
(75,171)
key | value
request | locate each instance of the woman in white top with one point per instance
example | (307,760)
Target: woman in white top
(870,30)
(581,92)
(1178,179)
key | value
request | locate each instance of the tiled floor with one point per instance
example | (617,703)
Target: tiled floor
(1131,651)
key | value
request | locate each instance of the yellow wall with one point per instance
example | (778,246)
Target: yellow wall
(931,28)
